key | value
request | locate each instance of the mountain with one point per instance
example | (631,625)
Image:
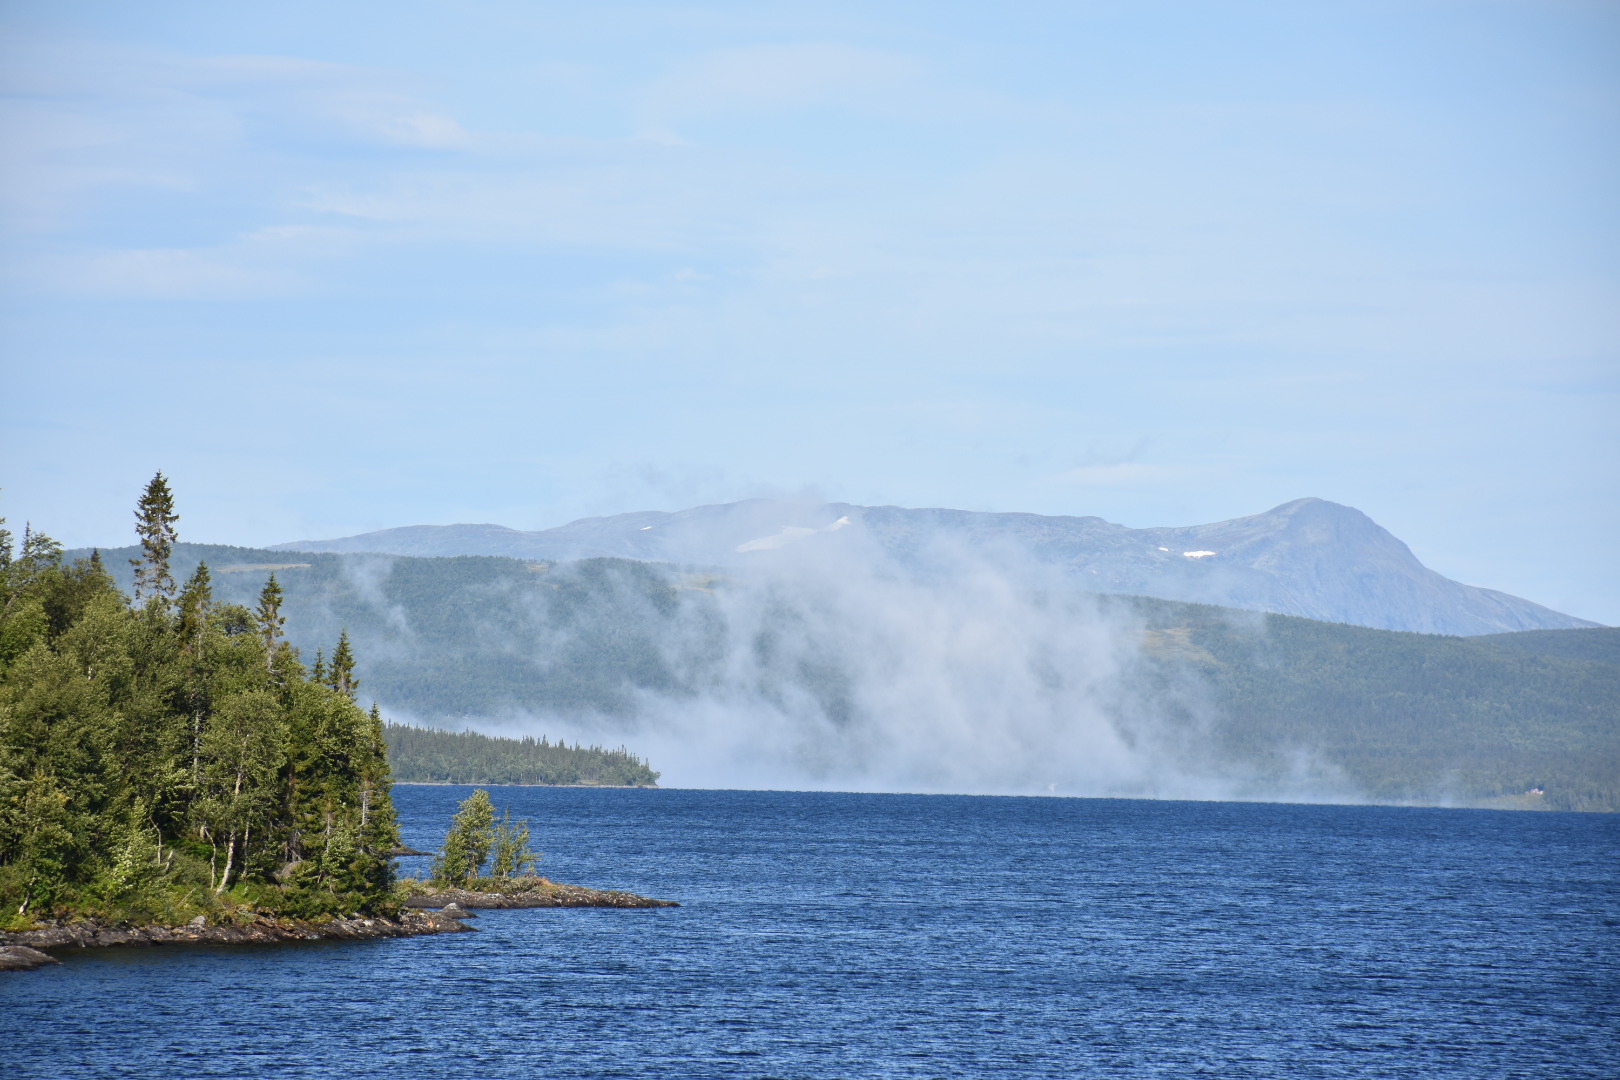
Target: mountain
(1310,558)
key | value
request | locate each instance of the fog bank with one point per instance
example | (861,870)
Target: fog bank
(825,664)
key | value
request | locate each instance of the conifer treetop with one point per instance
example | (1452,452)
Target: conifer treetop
(154,524)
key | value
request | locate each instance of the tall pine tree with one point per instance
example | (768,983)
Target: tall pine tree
(341,676)
(270,618)
(154,524)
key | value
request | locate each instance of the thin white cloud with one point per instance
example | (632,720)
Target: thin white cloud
(764,78)
(155,273)
(78,118)
(264,264)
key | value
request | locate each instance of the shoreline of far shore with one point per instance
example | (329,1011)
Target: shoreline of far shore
(498,783)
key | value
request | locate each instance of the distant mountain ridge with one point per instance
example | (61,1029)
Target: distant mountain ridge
(1310,557)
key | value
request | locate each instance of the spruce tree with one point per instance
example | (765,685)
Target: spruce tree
(154,524)
(196,603)
(340,676)
(467,844)
(270,618)
(379,827)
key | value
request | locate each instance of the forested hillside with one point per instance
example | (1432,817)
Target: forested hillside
(443,640)
(1529,720)
(426,755)
(174,757)
(1394,716)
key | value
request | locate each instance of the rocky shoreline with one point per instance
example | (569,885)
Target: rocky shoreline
(19,948)
(538,894)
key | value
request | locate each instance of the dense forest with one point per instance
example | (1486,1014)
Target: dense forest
(427,755)
(1529,720)
(174,757)
(1397,716)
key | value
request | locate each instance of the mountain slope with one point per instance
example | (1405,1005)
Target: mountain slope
(1310,558)
(613,649)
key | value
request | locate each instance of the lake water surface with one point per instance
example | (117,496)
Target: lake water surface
(840,935)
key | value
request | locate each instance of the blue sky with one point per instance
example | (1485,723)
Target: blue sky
(338,267)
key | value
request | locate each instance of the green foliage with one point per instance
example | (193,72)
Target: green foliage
(487,636)
(474,837)
(467,844)
(425,755)
(154,524)
(341,676)
(159,762)
(195,600)
(268,615)
(512,855)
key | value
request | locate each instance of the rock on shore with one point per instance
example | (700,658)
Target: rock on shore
(22,958)
(261,930)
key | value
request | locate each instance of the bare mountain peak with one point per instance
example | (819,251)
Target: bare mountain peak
(1307,557)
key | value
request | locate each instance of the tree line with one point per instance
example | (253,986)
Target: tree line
(1500,720)
(427,755)
(173,755)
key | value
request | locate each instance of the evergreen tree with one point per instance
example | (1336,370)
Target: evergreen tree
(154,524)
(379,826)
(341,675)
(39,550)
(24,591)
(196,600)
(467,844)
(270,618)
(379,832)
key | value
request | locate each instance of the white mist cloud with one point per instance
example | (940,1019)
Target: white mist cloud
(826,664)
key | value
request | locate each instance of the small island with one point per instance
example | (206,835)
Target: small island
(172,772)
(460,882)
(527,892)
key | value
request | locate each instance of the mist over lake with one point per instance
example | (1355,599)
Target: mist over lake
(833,662)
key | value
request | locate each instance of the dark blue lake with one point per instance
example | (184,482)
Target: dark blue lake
(836,935)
